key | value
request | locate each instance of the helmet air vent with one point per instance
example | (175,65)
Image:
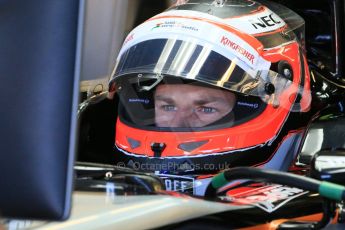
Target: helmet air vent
(133,143)
(190,146)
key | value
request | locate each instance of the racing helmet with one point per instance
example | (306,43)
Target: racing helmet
(208,85)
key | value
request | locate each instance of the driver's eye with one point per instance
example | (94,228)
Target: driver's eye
(168,107)
(206,110)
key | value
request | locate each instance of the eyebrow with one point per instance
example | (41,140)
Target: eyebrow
(210,100)
(163,98)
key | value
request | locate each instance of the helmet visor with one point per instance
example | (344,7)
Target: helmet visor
(153,59)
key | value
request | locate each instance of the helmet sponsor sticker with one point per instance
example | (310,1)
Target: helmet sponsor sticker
(201,32)
(247,104)
(174,24)
(268,198)
(238,48)
(138,100)
(128,38)
(261,22)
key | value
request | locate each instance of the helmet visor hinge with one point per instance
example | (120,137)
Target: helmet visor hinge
(157,77)
(219,3)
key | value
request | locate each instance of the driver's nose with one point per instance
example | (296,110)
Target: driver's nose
(182,118)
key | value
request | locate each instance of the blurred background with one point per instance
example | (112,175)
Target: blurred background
(106,25)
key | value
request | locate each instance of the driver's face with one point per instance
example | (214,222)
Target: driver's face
(180,105)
